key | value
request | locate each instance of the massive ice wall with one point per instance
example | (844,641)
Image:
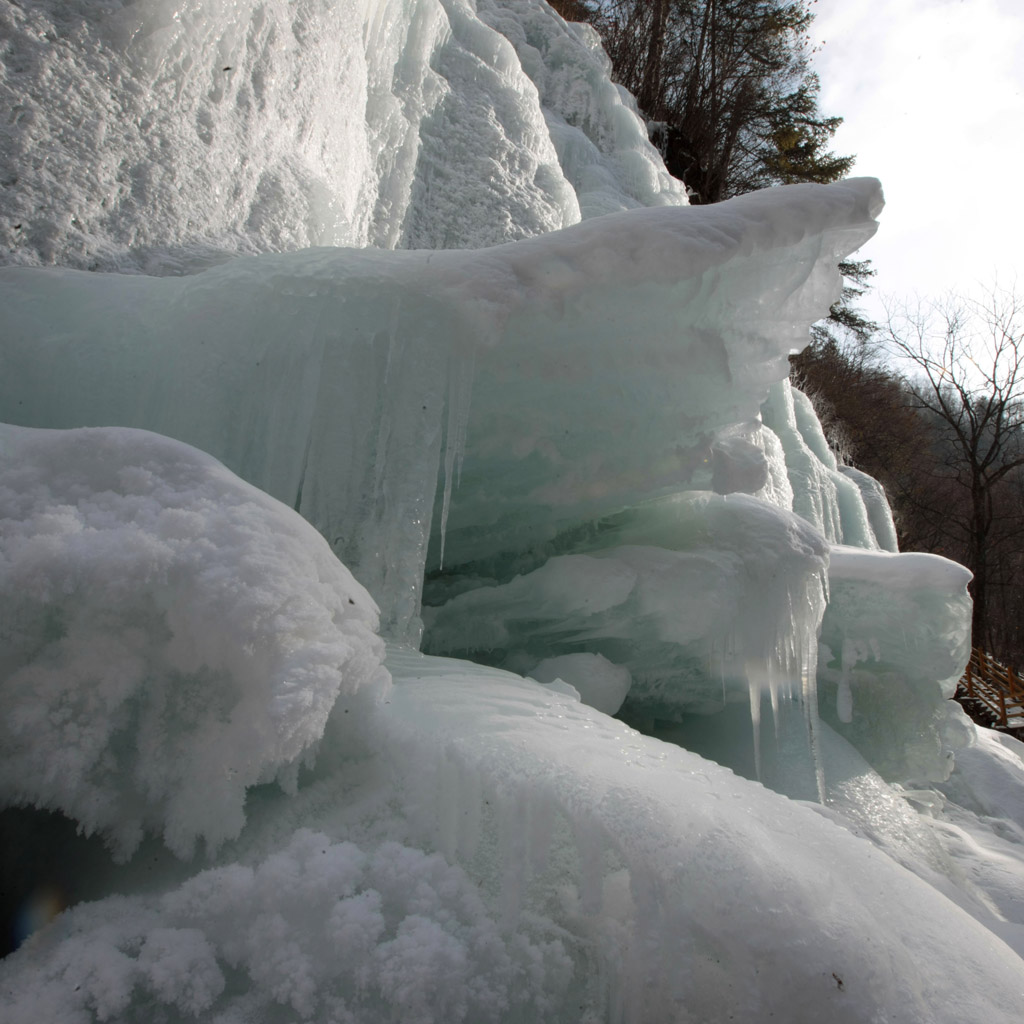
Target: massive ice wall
(564,377)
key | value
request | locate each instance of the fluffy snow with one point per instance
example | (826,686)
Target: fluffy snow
(171,635)
(573,455)
(320,930)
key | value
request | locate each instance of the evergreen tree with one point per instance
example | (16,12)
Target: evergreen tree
(727,87)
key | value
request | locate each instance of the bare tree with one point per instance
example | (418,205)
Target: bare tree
(966,362)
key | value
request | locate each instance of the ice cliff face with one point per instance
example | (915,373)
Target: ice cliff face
(187,132)
(569,448)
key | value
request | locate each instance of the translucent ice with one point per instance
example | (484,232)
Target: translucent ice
(846,506)
(894,642)
(326,376)
(698,596)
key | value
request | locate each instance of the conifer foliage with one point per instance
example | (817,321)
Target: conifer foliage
(726,85)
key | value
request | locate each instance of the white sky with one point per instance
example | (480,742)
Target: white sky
(932,93)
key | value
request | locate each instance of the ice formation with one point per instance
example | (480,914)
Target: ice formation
(186,133)
(568,450)
(358,368)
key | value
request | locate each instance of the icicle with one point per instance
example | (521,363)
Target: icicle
(460,389)
(808,686)
(844,700)
(468,368)
(773,691)
(395,351)
(755,722)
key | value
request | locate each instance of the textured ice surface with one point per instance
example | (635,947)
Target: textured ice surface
(701,596)
(171,636)
(848,507)
(601,144)
(160,136)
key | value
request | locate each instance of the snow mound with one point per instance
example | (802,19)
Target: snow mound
(691,893)
(171,636)
(320,930)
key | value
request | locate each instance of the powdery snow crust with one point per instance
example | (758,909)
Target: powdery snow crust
(171,636)
(157,136)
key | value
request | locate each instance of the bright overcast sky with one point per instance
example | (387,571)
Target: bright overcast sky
(932,93)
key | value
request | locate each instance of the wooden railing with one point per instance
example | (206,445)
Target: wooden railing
(999,688)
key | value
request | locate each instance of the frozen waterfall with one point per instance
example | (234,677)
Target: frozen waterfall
(381,422)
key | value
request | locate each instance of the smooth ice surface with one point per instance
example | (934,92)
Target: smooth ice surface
(171,636)
(697,881)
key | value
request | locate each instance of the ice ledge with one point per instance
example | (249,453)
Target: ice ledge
(332,378)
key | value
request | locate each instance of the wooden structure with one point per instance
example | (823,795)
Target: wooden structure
(999,688)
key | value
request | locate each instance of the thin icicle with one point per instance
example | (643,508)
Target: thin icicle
(773,690)
(808,685)
(395,352)
(755,722)
(468,369)
(460,390)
